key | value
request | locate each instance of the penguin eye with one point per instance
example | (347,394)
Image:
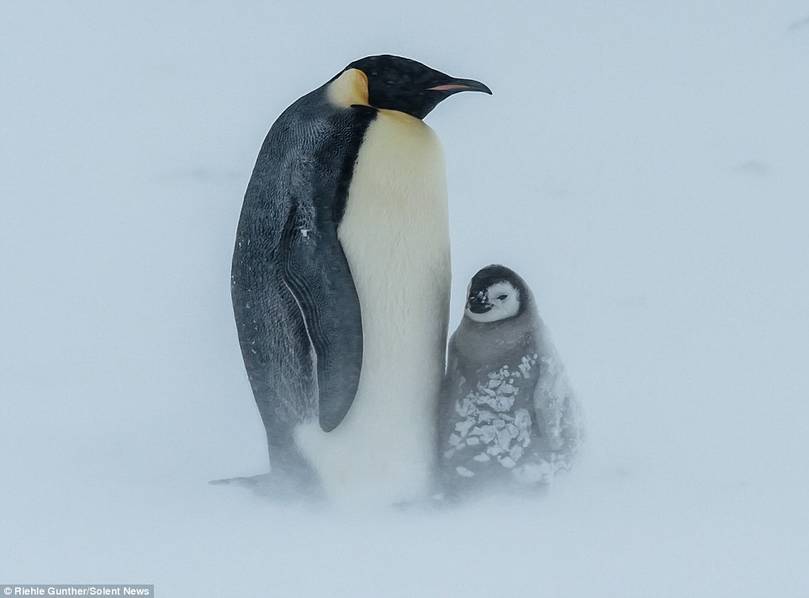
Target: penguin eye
(502,297)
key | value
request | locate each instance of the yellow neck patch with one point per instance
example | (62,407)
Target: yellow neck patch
(349,88)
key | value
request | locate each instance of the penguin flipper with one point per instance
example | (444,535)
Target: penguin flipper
(448,396)
(317,273)
(557,409)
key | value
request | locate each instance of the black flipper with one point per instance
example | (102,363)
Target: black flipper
(325,293)
(296,309)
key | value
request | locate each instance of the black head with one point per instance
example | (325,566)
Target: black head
(496,293)
(408,86)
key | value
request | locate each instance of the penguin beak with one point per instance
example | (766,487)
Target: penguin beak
(457,85)
(479,303)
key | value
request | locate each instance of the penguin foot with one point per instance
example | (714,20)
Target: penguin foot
(269,486)
(434,502)
(251,482)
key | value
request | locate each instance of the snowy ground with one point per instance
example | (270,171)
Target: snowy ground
(642,164)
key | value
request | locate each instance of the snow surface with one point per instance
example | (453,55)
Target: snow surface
(642,164)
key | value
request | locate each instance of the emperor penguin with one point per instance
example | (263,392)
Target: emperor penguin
(508,417)
(340,283)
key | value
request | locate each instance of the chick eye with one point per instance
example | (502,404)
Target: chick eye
(502,297)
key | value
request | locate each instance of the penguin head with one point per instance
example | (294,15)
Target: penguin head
(495,293)
(397,83)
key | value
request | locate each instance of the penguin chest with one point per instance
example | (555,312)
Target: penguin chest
(395,236)
(490,433)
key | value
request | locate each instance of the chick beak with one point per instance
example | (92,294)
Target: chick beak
(479,303)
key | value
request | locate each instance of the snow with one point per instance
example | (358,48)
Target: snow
(642,165)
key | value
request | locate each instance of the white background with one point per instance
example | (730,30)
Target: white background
(643,164)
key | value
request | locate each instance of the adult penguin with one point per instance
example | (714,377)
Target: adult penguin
(340,282)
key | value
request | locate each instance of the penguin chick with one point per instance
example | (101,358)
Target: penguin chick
(508,418)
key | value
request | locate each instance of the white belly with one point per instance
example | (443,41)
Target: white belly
(396,238)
